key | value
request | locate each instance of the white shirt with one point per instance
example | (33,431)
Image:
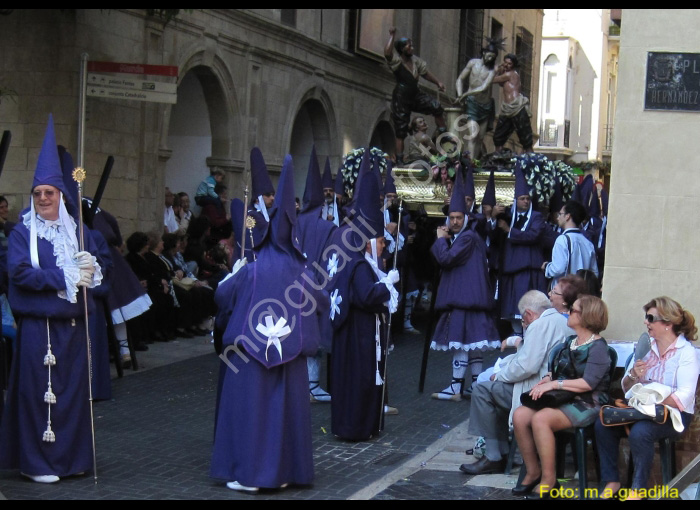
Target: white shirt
(677,368)
(169,220)
(581,256)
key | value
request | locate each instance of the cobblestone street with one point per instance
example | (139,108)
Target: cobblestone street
(154,438)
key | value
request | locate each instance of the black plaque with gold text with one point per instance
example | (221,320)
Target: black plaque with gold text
(673,81)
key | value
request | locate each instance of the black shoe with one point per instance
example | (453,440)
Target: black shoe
(483,466)
(140,346)
(159,337)
(544,495)
(524,490)
(183,334)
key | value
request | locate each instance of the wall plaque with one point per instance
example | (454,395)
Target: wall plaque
(673,81)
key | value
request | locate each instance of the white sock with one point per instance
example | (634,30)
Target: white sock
(459,364)
(121,334)
(313,365)
(475,363)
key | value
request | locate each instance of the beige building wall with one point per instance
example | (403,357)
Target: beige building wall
(255,73)
(653,243)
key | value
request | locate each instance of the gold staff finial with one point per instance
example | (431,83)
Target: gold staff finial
(79,175)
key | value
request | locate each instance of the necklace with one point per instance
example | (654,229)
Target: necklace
(575,346)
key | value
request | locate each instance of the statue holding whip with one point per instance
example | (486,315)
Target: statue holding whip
(479,74)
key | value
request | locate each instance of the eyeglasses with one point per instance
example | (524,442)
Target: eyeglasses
(49,193)
(651,318)
(574,310)
(557,293)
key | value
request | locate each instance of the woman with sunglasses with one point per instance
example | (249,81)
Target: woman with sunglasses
(672,361)
(581,366)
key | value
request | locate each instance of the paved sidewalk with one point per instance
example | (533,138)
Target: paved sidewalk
(154,438)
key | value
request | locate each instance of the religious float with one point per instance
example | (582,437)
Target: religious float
(427,183)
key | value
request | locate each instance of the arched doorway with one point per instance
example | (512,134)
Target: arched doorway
(200,131)
(189,138)
(311,127)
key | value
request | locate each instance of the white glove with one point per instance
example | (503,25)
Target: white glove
(238,265)
(393,276)
(83,259)
(85,278)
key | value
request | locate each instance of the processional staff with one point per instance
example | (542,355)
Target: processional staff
(79,177)
(388,333)
(245,217)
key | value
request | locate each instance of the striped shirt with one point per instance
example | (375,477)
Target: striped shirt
(677,368)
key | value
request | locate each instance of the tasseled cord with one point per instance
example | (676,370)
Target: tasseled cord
(378,379)
(49,396)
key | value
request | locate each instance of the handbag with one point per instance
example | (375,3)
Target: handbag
(623,414)
(552,398)
(185,283)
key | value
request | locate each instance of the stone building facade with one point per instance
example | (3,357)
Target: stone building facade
(281,79)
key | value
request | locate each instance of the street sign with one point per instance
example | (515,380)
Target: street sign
(673,81)
(119,67)
(106,80)
(135,95)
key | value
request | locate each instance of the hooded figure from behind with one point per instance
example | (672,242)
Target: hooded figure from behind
(263,194)
(268,313)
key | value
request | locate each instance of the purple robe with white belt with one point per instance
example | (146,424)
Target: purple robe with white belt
(262,435)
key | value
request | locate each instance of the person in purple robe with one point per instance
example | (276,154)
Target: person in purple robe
(551,226)
(586,193)
(99,346)
(121,294)
(268,315)
(340,199)
(488,209)
(521,253)
(330,208)
(237,219)
(45,430)
(397,237)
(600,244)
(314,233)
(127,300)
(263,200)
(464,295)
(361,295)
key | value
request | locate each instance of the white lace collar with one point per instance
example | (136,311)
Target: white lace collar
(64,245)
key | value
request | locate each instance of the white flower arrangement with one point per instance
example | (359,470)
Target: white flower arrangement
(351,166)
(541,174)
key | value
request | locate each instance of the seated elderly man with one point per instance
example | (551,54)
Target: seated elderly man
(494,401)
